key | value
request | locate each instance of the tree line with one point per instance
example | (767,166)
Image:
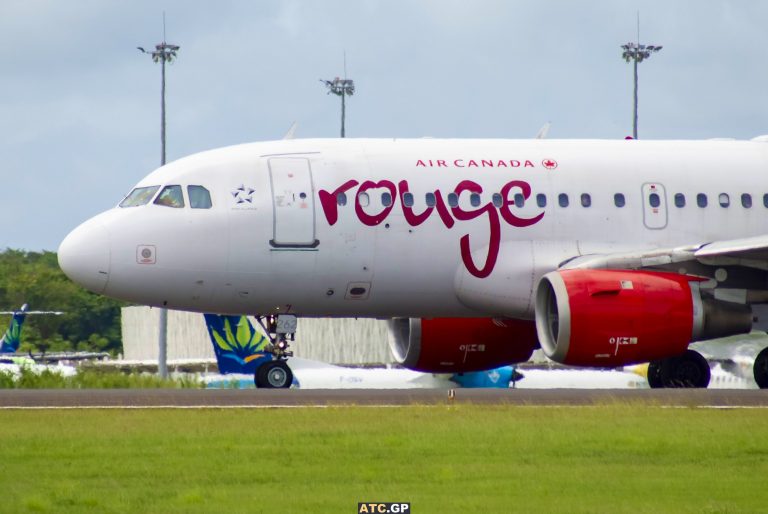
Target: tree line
(90,322)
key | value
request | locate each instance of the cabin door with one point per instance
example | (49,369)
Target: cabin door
(293,203)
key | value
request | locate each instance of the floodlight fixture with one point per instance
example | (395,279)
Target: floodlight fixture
(342,88)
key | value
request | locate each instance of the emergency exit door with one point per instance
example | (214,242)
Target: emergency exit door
(293,204)
(654,206)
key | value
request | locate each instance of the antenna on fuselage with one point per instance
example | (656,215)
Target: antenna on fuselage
(543,131)
(291,134)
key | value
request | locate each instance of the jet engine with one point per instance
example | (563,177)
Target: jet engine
(455,345)
(614,317)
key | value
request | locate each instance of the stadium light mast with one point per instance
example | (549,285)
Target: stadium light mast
(163,52)
(637,53)
(343,88)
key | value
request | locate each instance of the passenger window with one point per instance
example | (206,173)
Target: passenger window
(408,199)
(654,200)
(541,200)
(519,200)
(562,199)
(724,200)
(363,199)
(430,198)
(170,196)
(680,200)
(474,200)
(618,200)
(586,200)
(765,200)
(386,199)
(139,196)
(453,200)
(498,201)
(746,200)
(701,200)
(341,199)
(199,197)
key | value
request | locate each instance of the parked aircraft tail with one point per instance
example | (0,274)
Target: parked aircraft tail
(239,347)
(12,337)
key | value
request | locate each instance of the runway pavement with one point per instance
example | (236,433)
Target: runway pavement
(265,398)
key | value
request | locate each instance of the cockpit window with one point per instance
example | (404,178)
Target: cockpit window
(170,196)
(139,196)
(199,197)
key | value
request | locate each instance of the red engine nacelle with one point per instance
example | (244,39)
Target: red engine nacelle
(455,345)
(613,317)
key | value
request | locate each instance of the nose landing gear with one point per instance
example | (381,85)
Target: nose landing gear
(281,330)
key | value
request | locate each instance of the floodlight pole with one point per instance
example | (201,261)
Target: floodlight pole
(164,52)
(342,88)
(637,53)
(634,109)
(162,105)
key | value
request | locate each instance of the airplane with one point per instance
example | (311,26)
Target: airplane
(537,378)
(243,357)
(724,375)
(11,361)
(604,253)
(11,340)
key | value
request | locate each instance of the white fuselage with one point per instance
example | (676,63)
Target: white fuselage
(310,374)
(279,237)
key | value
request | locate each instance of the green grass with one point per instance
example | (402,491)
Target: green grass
(613,458)
(91,379)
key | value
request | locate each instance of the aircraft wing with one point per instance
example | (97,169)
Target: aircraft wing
(735,270)
(750,251)
(68,356)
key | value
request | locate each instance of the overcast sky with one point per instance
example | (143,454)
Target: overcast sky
(80,105)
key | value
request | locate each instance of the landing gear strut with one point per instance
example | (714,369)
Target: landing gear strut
(689,370)
(281,329)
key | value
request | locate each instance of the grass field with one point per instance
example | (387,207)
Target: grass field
(613,458)
(28,378)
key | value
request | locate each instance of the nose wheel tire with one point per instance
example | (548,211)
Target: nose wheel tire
(274,375)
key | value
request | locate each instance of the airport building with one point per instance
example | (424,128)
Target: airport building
(348,341)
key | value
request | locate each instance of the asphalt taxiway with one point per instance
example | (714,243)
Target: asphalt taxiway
(265,398)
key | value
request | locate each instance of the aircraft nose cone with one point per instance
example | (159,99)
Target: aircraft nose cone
(84,256)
